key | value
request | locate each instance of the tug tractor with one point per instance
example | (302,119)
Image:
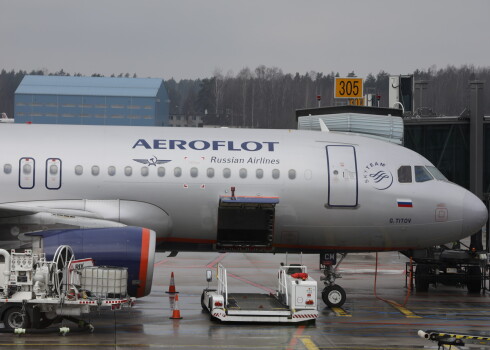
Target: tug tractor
(452,267)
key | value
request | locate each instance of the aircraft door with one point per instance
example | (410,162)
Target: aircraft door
(27,173)
(53,173)
(342,176)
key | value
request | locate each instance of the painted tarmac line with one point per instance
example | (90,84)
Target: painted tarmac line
(308,343)
(294,339)
(216,261)
(340,312)
(403,310)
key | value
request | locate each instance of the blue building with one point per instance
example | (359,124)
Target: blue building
(91,100)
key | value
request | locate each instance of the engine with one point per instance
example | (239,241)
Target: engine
(131,247)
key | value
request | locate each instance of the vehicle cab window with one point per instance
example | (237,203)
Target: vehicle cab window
(422,174)
(405,174)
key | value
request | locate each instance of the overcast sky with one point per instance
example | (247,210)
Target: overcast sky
(193,38)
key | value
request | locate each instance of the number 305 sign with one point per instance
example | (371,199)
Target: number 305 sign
(348,88)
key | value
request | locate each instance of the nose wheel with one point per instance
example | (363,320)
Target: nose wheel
(333,295)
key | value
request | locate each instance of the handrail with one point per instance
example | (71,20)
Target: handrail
(222,283)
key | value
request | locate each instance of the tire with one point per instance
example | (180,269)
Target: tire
(13,318)
(203,305)
(422,278)
(334,296)
(473,279)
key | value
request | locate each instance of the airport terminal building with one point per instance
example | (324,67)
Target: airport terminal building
(91,100)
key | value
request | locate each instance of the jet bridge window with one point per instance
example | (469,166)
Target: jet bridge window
(422,174)
(405,174)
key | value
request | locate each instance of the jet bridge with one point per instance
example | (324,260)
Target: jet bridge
(246,223)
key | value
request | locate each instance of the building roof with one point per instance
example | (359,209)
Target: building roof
(89,86)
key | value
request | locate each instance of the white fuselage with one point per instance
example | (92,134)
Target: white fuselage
(334,191)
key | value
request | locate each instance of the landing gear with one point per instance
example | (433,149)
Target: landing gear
(474,277)
(333,295)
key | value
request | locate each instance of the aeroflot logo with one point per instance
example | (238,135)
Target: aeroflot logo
(201,145)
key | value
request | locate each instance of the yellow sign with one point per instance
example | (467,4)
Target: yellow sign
(356,101)
(348,88)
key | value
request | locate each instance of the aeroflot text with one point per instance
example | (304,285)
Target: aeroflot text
(201,145)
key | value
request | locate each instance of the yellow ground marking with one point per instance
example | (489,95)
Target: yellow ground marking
(341,312)
(308,343)
(403,310)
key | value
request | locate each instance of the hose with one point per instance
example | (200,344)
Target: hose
(409,289)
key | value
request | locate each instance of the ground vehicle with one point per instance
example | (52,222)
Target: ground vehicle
(452,267)
(35,292)
(294,301)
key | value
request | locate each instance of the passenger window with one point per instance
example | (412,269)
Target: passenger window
(26,169)
(177,172)
(226,173)
(243,173)
(161,171)
(53,169)
(144,171)
(7,168)
(259,173)
(210,172)
(95,170)
(79,170)
(405,174)
(275,174)
(128,171)
(422,174)
(111,170)
(194,172)
(292,174)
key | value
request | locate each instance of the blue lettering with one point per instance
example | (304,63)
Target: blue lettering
(217,144)
(245,146)
(271,145)
(205,144)
(231,147)
(142,142)
(159,144)
(179,143)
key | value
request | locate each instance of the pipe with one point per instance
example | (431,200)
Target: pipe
(6,255)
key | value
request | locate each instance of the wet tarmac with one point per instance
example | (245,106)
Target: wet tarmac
(364,322)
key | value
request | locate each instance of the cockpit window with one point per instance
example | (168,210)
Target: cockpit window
(405,174)
(422,174)
(436,173)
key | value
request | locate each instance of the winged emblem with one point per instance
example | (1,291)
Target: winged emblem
(151,161)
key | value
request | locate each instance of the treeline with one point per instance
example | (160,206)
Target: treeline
(267,98)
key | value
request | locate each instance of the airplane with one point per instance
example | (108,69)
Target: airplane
(118,194)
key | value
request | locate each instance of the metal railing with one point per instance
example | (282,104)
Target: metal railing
(222,283)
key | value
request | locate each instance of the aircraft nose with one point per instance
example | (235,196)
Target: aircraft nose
(475,214)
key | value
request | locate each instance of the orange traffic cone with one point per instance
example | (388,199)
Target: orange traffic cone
(171,287)
(176,311)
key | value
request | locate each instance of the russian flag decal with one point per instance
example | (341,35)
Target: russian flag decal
(404,203)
